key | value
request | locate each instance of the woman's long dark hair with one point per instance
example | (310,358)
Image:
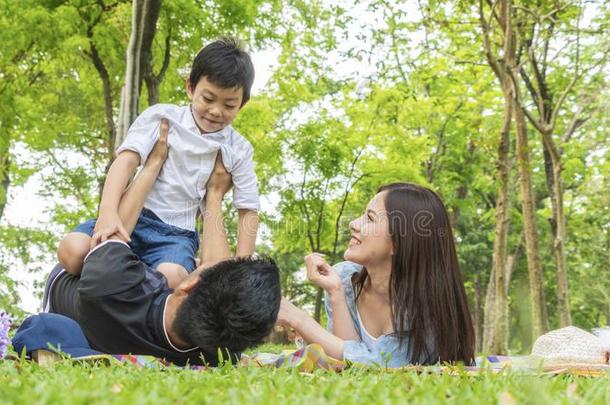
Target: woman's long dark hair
(429,305)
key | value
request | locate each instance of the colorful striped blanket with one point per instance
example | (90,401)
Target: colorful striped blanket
(312,357)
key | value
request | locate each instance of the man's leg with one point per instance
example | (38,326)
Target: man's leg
(214,244)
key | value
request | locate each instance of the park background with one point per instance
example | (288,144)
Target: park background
(502,107)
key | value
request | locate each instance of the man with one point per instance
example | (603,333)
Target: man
(123,306)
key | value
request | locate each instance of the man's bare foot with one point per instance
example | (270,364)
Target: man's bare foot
(158,155)
(220,181)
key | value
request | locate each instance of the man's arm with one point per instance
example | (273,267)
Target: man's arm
(133,200)
(246,232)
(214,244)
(109,222)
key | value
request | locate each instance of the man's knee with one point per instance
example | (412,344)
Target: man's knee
(174,273)
(72,251)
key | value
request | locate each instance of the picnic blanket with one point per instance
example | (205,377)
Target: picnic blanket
(313,357)
(567,350)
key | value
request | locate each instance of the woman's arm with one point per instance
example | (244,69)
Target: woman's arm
(309,329)
(386,353)
(343,324)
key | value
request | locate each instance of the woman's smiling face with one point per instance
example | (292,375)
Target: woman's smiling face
(370,241)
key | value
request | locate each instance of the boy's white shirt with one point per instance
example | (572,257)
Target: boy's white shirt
(180,187)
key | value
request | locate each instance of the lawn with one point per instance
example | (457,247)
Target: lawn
(65,382)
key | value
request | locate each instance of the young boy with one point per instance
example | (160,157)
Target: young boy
(165,238)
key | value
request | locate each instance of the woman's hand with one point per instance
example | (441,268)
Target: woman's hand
(322,274)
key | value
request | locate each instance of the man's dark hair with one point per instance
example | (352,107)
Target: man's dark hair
(226,64)
(234,306)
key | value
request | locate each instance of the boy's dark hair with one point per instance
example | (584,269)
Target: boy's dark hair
(226,64)
(234,306)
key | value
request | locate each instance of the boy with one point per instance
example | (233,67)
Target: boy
(164,238)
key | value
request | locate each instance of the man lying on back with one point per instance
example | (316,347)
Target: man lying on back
(123,306)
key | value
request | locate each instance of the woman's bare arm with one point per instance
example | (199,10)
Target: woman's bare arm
(309,329)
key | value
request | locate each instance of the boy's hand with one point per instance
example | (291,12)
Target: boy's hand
(161,148)
(106,226)
(220,181)
(321,273)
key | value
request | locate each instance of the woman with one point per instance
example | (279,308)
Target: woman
(399,297)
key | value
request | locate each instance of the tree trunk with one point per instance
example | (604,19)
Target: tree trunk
(496,303)
(5,165)
(130,94)
(476,316)
(152,80)
(552,166)
(317,314)
(496,336)
(489,312)
(108,102)
(490,301)
(538,308)
(143,25)
(565,317)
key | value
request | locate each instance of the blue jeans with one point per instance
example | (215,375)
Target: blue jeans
(156,242)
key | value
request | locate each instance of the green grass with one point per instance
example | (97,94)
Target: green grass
(68,383)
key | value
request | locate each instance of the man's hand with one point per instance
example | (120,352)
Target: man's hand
(158,155)
(106,226)
(321,273)
(288,315)
(109,223)
(219,182)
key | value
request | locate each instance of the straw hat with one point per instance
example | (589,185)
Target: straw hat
(570,345)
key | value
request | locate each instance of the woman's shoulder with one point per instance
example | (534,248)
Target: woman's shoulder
(347,269)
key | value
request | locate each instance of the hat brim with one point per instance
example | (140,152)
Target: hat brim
(78,352)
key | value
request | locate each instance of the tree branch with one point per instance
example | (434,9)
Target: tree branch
(493,62)
(305,211)
(346,193)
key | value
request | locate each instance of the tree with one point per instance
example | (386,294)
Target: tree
(550,82)
(139,63)
(503,17)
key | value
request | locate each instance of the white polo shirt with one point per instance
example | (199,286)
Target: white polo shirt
(180,187)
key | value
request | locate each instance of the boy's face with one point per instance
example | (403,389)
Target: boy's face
(213,107)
